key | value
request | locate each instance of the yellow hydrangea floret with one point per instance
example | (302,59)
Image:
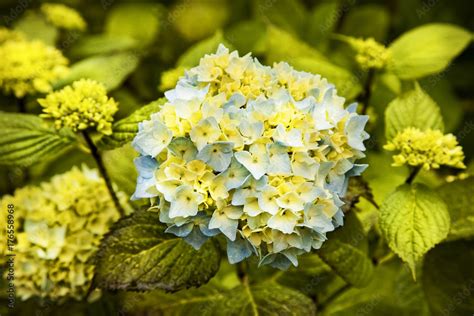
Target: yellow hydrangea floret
(370,53)
(29,67)
(81,105)
(63,16)
(429,149)
(59,225)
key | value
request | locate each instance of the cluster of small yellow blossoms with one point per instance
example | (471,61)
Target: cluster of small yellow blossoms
(429,149)
(59,225)
(79,106)
(63,16)
(28,67)
(370,53)
(259,154)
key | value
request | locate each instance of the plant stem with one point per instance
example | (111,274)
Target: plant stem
(413,173)
(365,96)
(103,172)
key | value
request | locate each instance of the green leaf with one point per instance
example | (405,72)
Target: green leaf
(278,13)
(102,44)
(322,22)
(261,299)
(246,36)
(414,108)
(413,219)
(183,303)
(25,139)
(138,255)
(355,23)
(346,83)
(459,197)
(448,278)
(191,57)
(35,27)
(283,46)
(427,49)
(345,252)
(120,166)
(111,70)
(392,292)
(264,299)
(124,131)
(136,20)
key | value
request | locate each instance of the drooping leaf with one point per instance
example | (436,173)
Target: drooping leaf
(391,292)
(138,255)
(25,139)
(427,49)
(414,108)
(136,20)
(448,278)
(413,219)
(111,70)
(124,131)
(459,197)
(345,252)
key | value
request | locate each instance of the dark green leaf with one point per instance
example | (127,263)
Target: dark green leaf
(459,197)
(138,255)
(345,252)
(448,278)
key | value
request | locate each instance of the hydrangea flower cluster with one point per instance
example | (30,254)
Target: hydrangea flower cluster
(429,149)
(29,67)
(82,105)
(370,53)
(63,16)
(259,154)
(59,227)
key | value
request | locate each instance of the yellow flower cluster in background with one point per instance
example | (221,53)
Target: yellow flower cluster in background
(81,105)
(28,67)
(370,53)
(429,149)
(59,226)
(63,16)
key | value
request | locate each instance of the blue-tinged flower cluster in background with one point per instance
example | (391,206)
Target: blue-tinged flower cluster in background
(259,154)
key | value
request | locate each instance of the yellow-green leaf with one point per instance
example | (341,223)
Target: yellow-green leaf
(414,108)
(427,49)
(413,219)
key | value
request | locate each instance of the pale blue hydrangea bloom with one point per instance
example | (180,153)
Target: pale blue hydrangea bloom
(261,155)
